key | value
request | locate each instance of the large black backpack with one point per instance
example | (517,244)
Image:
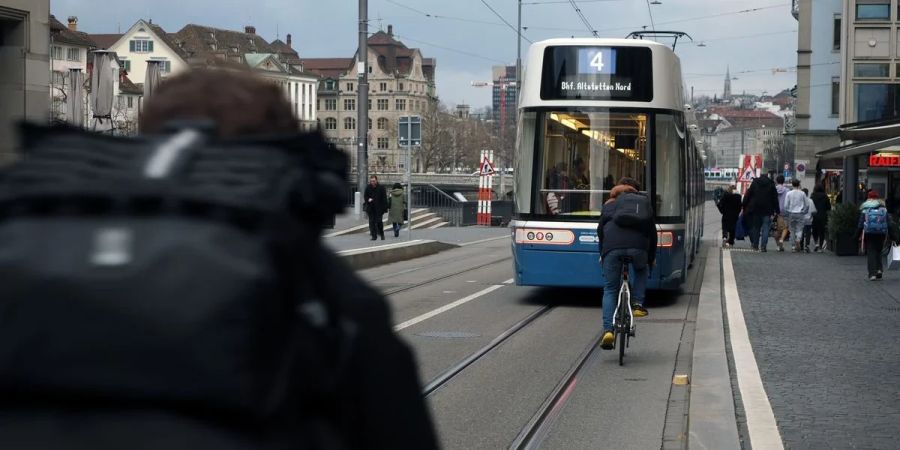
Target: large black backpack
(633,210)
(155,294)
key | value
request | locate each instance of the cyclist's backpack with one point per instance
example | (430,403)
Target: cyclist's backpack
(155,294)
(875,220)
(633,210)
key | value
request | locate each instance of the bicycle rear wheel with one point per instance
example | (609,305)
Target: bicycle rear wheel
(622,341)
(622,324)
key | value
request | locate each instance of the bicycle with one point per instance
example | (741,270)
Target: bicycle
(623,323)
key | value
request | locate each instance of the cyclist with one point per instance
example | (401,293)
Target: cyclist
(637,243)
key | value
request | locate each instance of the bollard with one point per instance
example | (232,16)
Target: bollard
(357,204)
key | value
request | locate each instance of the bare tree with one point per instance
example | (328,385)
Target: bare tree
(437,138)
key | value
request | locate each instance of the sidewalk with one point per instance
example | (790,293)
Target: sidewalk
(827,344)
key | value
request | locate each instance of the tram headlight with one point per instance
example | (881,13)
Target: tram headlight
(665,239)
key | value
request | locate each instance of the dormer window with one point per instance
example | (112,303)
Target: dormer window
(140,46)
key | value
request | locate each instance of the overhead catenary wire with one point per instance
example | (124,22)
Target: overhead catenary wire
(583,18)
(442,47)
(650,11)
(511,27)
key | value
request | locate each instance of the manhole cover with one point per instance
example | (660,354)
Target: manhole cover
(448,334)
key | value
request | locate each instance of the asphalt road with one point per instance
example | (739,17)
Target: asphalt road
(454,303)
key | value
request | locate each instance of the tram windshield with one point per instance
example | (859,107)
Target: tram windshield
(581,155)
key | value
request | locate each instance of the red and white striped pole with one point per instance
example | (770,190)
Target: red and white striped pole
(485,180)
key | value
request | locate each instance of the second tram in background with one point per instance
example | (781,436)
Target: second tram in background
(591,112)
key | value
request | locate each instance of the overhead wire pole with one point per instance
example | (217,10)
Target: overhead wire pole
(362,129)
(650,11)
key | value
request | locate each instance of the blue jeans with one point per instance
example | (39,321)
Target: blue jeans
(612,272)
(759,230)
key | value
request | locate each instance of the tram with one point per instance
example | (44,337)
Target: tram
(591,112)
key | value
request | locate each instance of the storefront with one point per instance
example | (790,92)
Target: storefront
(883,176)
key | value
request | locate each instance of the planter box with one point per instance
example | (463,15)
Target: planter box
(845,245)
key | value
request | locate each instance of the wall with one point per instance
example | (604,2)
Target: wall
(24,67)
(825,65)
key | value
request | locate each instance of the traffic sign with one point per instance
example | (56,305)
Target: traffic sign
(486,167)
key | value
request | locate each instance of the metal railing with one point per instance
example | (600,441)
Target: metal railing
(439,202)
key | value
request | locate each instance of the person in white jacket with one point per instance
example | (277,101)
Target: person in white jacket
(795,208)
(808,221)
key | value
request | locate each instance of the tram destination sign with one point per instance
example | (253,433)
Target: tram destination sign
(597,73)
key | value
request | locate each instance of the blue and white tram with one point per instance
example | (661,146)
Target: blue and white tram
(591,112)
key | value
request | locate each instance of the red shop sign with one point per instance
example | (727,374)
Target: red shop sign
(884,160)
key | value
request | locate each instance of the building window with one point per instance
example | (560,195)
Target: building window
(382,123)
(382,87)
(401,87)
(370,123)
(349,87)
(837,33)
(835,96)
(140,46)
(331,123)
(73,54)
(130,102)
(383,143)
(877,101)
(165,67)
(370,104)
(873,11)
(330,85)
(56,53)
(382,104)
(349,123)
(330,104)
(349,104)
(401,104)
(871,70)
(126,65)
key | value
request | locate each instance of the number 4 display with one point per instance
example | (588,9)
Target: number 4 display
(597,61)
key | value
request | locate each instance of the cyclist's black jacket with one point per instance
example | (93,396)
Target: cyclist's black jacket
(615,237)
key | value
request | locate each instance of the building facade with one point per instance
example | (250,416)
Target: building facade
(69,49)
(505,96)
(24,68)
(401,83)
(817,107)
(870,55)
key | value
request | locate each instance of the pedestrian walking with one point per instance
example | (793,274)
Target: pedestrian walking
(376,206)
(795,209)
(760,205)
(874,227)
(820,218)
(808,221)
(396,208)
(730,207)
(781,226)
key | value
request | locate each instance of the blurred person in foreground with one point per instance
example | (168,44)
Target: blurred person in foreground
(220,378)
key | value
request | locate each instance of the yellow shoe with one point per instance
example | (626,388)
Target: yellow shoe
(606,343)
(639,311)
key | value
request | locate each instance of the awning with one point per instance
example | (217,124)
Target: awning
(870,130)
(858,148)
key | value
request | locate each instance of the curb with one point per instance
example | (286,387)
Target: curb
(364,258)
(712,419)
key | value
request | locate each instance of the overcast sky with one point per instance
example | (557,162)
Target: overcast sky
(757,38)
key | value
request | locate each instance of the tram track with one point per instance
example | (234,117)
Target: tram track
(452,372)
(441,277)
(538,428)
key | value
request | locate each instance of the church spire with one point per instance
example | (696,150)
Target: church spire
(727,94)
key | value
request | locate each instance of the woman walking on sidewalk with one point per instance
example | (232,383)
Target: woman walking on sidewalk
(820,218)
(396,206)
(730,207)
(874,227)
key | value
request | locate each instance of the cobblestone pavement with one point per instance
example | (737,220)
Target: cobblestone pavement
(827,342)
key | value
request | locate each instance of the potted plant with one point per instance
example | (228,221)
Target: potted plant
(843,221)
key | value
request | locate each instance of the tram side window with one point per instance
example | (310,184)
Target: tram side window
(581,156)
(669,147)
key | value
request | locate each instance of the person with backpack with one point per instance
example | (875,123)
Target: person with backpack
(808,221)
(874,228)
(397,208)
(627,229)
(375,206)
(173,291)
(795,209)
(730,207)
(820,218)
(760,206)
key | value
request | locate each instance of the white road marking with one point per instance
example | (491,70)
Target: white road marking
(448,307)
(761,425)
